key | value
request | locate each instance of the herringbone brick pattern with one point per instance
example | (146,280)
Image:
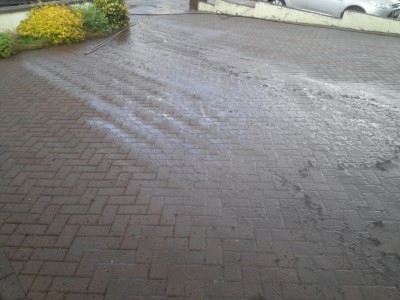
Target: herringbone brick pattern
(201,158)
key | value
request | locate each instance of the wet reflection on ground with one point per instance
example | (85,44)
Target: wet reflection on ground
(158,7)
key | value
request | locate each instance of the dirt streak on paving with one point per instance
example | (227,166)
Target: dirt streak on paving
(201,158)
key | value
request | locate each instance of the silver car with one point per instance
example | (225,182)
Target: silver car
(336,8)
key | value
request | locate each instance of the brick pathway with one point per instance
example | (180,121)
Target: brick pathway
(201,158)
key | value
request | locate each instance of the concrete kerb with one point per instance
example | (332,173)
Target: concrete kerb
(234,9)
(351,20)
(207,7)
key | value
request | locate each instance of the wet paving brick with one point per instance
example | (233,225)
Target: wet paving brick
(201,158)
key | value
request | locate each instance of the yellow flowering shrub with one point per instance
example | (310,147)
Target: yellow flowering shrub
(53,21)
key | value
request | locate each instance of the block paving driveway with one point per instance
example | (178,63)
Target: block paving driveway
(199,157)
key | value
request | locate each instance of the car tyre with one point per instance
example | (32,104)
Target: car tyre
(278,2)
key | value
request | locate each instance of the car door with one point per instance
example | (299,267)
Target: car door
(329,7)
(299,4)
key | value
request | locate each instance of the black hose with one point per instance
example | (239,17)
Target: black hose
(109,39)
(218,13)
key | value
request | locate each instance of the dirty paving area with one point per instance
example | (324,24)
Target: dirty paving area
(196,157)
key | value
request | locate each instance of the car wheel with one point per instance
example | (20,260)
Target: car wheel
(278,2)
(353,8)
